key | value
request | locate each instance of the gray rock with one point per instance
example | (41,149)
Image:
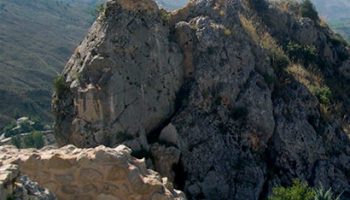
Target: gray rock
(123,77)
(169,135)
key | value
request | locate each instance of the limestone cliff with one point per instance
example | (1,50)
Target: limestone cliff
(225,98)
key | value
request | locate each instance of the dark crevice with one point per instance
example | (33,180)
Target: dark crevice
(269,156)
(180,101)
(180,176)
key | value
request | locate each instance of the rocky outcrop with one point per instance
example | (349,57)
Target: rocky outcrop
(122,79)
(241,123)
(72,173)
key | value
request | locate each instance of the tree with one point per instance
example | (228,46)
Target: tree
(308,9)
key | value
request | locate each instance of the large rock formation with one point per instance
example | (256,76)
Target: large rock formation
(122,79)
(90,174)
(263,99)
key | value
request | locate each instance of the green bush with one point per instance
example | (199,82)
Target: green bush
(60,86)
(298,191)
(279,60)
(8,132)
(34,140)
(324,94)
(165,15)
(100,8)
(16,141)
(301,53)
(307,9)
(322,194)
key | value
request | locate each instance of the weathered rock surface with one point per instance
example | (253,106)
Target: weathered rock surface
(242,123)
(72,173)
(122,79)
(19,187)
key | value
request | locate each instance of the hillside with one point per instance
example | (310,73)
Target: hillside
(336,13)
(36,39)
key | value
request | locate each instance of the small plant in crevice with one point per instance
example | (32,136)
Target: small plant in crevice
(165,15)
(227,32)
(100,8)
(324,94)
(60,86)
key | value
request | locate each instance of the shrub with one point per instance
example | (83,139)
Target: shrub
(60,86)
(324,94)
(100,8)
(301,53)
(26,127)
(8,132)
(34,140)
(16,141)
(307,9)
(227,32)
(165,15)
(298,191)
(322,194)
(38,139)
(279,60)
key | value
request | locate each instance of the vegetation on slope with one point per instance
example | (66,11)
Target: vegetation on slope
(36,39)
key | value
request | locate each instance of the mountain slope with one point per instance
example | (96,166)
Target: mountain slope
(36,39)
(336,13)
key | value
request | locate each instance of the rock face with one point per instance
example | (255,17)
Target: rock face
(242,121)
(122,79)
(100,173)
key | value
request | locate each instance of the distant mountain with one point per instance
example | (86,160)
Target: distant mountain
(337,14)
(36,39)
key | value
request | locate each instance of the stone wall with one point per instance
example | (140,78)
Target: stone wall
(98,173)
